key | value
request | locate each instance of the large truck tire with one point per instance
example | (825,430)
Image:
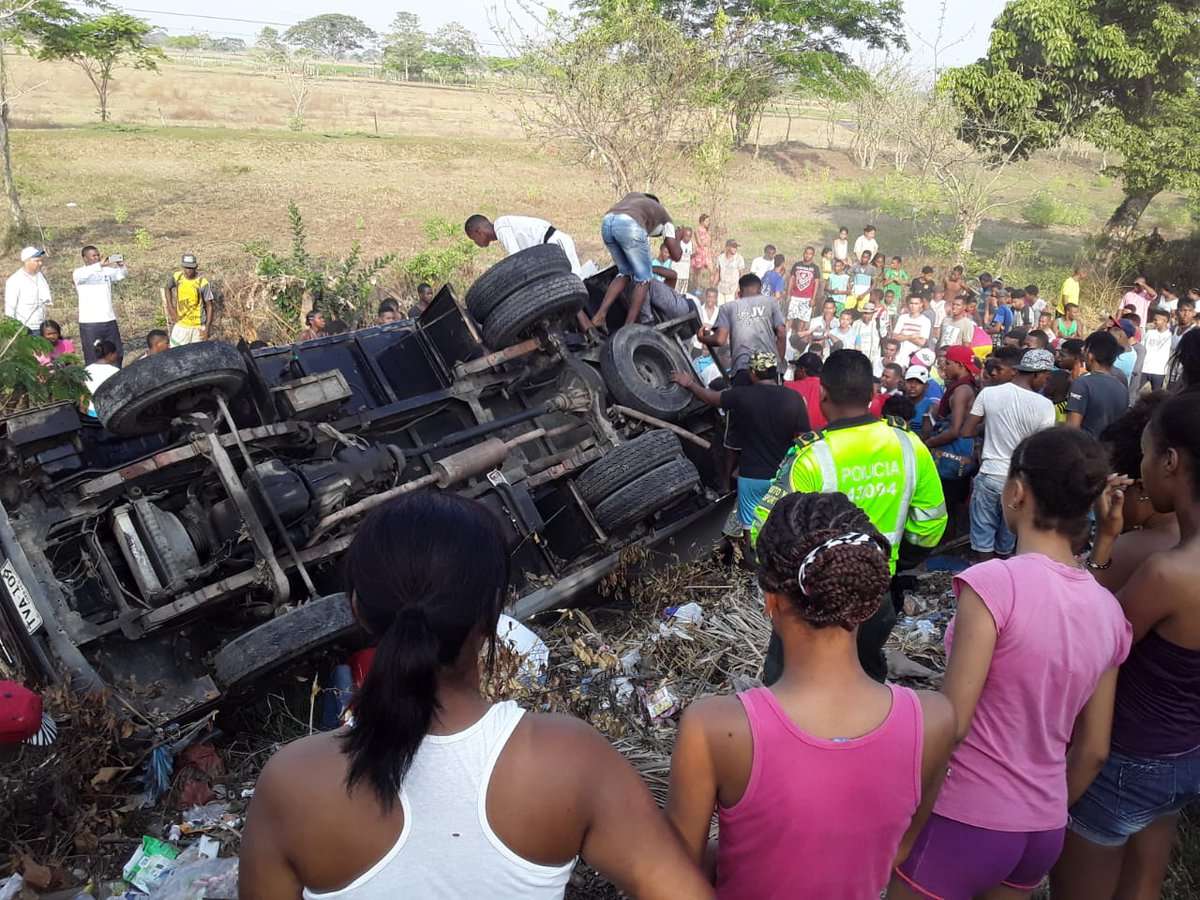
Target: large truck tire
(512,274)
(146,395)
(631,460)
(637,363)
(549,298)
(285,638)
(644,496)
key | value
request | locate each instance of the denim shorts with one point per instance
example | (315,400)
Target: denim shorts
(989,533)
(750,492)
(1130,793)
(629,245)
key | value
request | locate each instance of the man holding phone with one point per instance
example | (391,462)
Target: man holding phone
(97,318)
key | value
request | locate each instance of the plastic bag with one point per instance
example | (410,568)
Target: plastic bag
(204,879)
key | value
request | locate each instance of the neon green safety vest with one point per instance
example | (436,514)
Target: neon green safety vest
(880,465)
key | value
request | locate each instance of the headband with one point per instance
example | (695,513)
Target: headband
(848,539)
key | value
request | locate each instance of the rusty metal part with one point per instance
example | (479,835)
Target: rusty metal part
(565,468)
(114,480)
(659,423)
(266,498)
(254,527)
(476,460)
(516,351)
(234,584)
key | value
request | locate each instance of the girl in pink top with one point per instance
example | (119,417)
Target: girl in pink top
(1034,651)
(817,779)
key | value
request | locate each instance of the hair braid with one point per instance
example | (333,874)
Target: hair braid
(842,584)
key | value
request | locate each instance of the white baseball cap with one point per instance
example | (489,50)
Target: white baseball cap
(925,357)
(32,253)
(920,373)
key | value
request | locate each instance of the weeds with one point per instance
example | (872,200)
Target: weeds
(1044,210)
(120,215)
(340,289)
(142,240)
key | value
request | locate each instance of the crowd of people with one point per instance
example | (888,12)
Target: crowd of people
(1066,736)
(869,416)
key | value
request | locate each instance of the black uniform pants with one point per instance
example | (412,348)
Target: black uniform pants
(872,635)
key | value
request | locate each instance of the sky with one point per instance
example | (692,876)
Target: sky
(967,22)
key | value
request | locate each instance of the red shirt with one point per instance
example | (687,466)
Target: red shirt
(810,390)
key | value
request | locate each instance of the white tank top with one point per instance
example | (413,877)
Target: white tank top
(447,850)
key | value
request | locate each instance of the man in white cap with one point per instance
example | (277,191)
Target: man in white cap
(97,318)
(27,293)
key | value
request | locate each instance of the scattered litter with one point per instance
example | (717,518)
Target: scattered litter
(157,776)
(210,817)
(11,886)
(689,613)
(150,864)
(208,847)
(200,879)
(631,662)
(534,653)
(661,704)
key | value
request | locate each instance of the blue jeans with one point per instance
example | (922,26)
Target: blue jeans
(1130,793)
(629,245)
(989,533)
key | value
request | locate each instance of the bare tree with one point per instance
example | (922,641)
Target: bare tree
(299,73)
(970,179)
(621,91)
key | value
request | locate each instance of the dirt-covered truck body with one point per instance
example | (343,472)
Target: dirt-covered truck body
(190,539)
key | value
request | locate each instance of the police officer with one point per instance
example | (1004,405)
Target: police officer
(881,466)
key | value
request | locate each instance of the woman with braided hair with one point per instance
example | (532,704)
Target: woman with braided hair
(817,779)
(432,792)
(1034,650)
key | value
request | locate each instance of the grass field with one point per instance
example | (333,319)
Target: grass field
(198,160)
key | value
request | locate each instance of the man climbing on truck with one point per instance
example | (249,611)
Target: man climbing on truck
(516,233)
(626,231)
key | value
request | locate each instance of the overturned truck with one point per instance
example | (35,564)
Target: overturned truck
(189,541)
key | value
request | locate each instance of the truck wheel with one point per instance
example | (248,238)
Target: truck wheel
(637,363)
(546,299)
(283,639)
(629,461)
(646,495)
(511,274)
(146,396)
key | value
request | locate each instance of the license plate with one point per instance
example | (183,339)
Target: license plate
(19,594)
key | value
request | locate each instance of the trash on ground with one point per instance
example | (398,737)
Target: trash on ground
(209,817)
(200,879)
(11,886)
(150,864)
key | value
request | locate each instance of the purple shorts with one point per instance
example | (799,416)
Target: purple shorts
(953,861)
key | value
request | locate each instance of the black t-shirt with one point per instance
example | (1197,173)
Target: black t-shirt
(767,418)
(922,288)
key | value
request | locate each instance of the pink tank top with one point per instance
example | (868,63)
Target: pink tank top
(820,818)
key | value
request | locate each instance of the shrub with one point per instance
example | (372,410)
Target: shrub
(1044,210)
(25,382)
(340,289)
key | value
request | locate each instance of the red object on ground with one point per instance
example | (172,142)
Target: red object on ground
(360,664)
(20,713)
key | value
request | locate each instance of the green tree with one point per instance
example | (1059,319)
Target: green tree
(331,34)
(453,49)
(19,19)
(619,90)
(187,44)
(269,40)
(100,44)
(406,46)
(1119,73)
(767,47)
